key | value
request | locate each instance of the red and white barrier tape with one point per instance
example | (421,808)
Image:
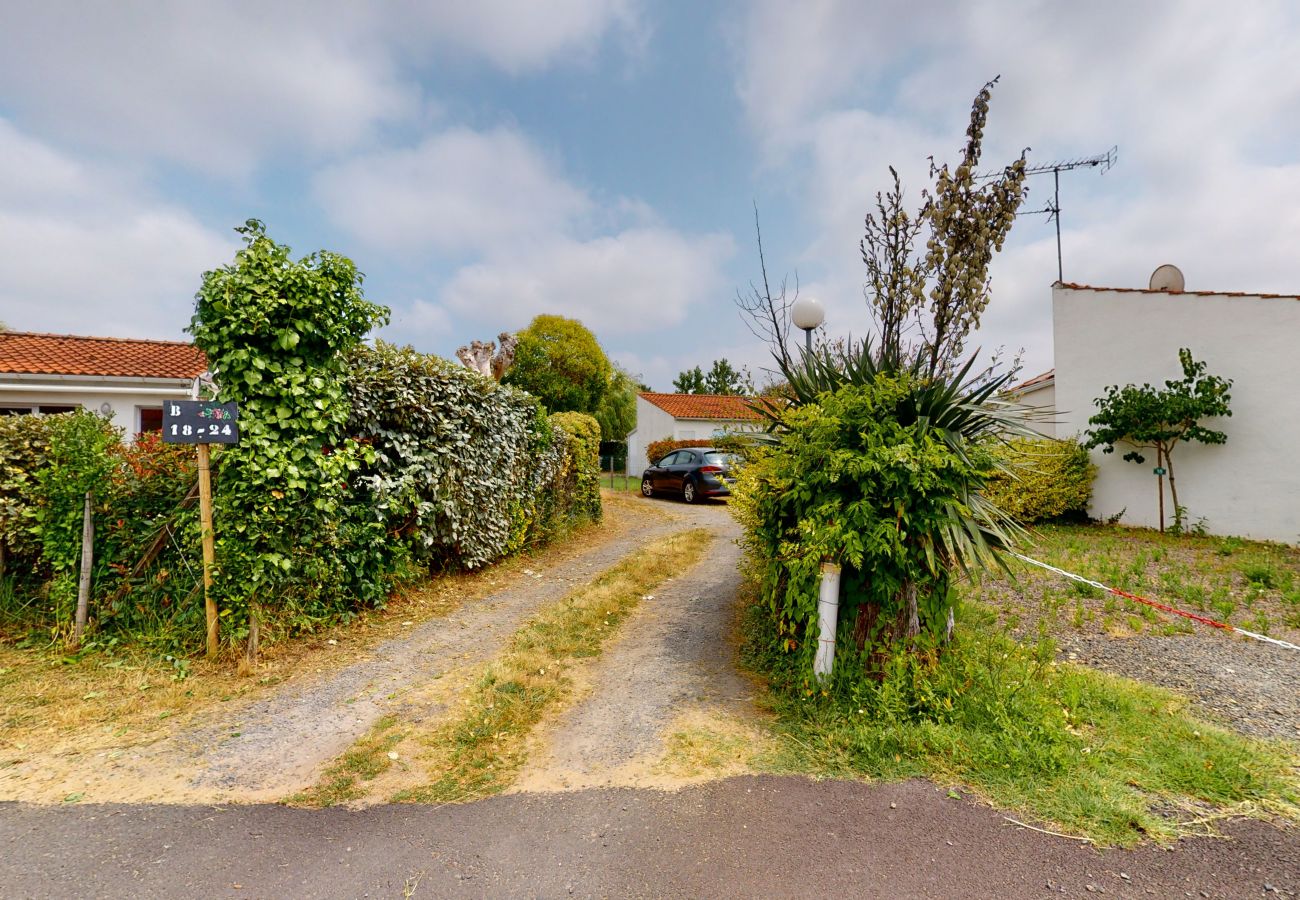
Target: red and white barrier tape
(1204,620)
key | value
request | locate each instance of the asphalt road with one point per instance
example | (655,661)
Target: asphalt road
(752,836)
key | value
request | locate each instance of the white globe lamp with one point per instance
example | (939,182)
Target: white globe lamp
(807,313)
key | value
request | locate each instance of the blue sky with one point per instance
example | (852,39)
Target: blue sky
(486,162)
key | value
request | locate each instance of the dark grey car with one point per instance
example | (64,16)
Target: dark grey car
(696,473)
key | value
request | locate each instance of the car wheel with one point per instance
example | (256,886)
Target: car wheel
(647,489)
(688,491)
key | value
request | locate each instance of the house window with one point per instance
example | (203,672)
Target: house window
(150,418)
(57,410)
(15,410)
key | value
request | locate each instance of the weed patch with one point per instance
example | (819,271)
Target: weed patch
(1093,753)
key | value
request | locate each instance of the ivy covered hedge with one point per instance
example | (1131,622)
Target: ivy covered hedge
(463,470)
(1041,479)
(356,467)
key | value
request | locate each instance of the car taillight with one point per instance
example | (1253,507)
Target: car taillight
(710,470)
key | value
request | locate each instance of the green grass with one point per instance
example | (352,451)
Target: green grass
(618,483)
(1239,581)
(479,752)
(1095,754)
(365,761)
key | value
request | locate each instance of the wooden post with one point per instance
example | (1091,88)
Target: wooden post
(209,546)
(1160,464)
(87,563)
(250,650)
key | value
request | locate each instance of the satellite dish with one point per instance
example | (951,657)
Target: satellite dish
(1167,278)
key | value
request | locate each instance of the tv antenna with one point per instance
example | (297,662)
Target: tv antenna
(1052,210)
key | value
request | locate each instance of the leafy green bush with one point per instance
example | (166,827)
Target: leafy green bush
(276,332)
(583,460)
(861,479)
(24,444)
(463,470)
(78,460)
(1041,479)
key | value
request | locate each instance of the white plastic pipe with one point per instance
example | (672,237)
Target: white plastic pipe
(828,616)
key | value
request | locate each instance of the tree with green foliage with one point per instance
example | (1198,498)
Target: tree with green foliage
(1159,419)
(276,332)
(617,410)
(722,378)
(879,452)
(559,362)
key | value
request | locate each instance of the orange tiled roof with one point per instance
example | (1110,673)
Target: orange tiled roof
(68,354)
(1087,287)
(1036,381)
(703,406)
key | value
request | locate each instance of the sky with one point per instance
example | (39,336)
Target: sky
(603,159)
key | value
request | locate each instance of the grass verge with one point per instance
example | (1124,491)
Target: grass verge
(1097,755)
(368,758)
(480,751)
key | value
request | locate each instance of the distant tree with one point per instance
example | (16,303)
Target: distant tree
(1159,419)
(559,362)
(690,382)
(722,378)
(617,410)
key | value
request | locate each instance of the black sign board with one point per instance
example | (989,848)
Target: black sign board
(200,422)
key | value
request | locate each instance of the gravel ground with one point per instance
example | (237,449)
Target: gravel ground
(276,745)
(672,654)
(1246,685)
(741,837)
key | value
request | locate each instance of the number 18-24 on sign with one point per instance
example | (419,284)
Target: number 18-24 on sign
(200,422)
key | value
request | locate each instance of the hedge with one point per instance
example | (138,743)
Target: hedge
(1043,479)
(657,450)
(465,469)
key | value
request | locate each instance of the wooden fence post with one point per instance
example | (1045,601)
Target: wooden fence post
(87,563)
(209,546)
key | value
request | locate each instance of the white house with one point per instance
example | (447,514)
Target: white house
(1039,394)
(122,378)
(1249,486)
(686,417)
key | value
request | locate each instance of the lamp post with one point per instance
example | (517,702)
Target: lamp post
(807,313)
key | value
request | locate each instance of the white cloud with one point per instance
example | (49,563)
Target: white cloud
(635,281)
(458,191)
(219,86)
(81,254)
(1203,100)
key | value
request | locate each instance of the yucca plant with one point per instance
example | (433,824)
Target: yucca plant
(879,451)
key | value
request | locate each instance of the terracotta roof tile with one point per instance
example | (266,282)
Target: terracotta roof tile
(1037,381)
(68,354)
(703,406)
(1087,287)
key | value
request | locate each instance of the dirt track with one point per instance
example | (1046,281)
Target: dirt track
(272,747)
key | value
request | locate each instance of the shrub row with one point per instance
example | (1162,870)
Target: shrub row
(1041,479)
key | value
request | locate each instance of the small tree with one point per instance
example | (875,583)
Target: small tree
(1159,419)
(616,413)
(559,362)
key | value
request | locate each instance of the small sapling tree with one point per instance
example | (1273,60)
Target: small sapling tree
(1155,419)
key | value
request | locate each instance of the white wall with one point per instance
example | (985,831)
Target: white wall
(1249,486)
(654,424)
(124,406)
(1043,401)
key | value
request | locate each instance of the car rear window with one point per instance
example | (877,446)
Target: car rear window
(715,458)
